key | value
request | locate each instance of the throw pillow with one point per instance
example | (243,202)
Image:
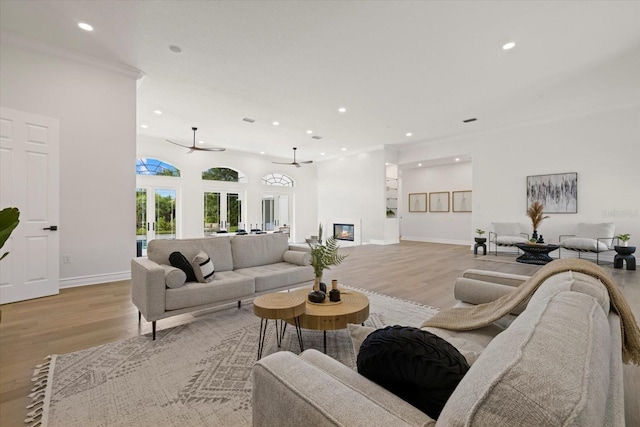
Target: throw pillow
(203,267)
(415,365)
(173,277)
(179,261)
(297,257)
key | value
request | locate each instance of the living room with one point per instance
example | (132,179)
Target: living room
(589,124)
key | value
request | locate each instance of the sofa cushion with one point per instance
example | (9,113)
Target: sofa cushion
(258,249)
(173,277)
(583,244)
(178,260)
(226,286)
(577,282)
(217,247)
(595,231)
(510,240)
(506,228)
(274,276)
(203,267)
(416,365)
(297,257)
(550,367)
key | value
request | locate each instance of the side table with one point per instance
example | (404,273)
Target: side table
(624,253)
(280,307)
(480,243)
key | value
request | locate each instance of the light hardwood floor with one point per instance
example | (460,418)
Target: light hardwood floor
(88,316)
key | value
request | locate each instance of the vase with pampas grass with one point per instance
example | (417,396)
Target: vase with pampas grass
(535,212)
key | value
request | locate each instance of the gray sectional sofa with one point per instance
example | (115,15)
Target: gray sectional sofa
(554,361)
(245,267)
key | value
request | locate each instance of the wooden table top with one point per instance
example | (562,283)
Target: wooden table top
(279,305)
(353,308)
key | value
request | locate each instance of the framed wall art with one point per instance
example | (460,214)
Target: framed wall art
(557,192)
(461,201)
(417,202)
(439,202)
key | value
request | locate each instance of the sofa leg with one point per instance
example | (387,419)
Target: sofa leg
(153,328)
(139,316)
(239,304)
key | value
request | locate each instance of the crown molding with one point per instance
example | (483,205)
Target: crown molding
(12,39)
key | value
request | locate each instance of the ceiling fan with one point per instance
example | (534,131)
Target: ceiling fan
(294,163)
(194,147)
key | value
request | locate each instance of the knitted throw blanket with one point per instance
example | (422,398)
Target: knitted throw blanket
(468,318)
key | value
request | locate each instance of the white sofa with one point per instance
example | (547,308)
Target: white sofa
(557,362)
(245,267)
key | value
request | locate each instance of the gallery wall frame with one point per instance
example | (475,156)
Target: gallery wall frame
(557,192)
(417,202)
(439,201)
(461,201)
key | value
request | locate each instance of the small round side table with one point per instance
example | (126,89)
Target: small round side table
(279,306)
(480,243)
(624,253)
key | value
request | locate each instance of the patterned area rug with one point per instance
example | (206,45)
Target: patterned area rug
(196,374)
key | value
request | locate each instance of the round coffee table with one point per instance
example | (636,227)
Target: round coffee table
(278,306)
(328,316)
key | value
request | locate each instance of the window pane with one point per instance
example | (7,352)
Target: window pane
(221,174)
(211,212)
(277,179)
(148,166)
(141,218)
(165,214)
(234,212)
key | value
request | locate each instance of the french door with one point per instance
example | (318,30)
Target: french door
(275,211)
(223,211)
(156,215)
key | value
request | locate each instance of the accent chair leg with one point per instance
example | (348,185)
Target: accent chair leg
(153,328)
(139,316)
(239,304)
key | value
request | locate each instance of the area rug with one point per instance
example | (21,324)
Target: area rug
(196,374)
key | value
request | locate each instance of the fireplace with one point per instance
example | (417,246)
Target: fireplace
(344,231)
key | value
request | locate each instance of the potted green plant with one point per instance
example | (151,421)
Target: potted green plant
(535,212)
(624,239)
(9,220)
(480,239)
(323,255)
(390,213)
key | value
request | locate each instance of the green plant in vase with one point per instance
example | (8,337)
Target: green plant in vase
(323,255)
(480,239)
(9,220)
(624,238)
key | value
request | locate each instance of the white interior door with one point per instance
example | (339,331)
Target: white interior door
(29,180)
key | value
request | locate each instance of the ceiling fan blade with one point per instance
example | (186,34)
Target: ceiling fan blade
(175,143)
(283,163)
(208,149)
(308,162)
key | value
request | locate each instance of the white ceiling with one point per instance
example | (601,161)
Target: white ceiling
(397,66)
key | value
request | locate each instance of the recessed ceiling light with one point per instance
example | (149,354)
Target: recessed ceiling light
(175,49)
(508,46)
(342,110)
(200,142)
(344,149)
(158,112)
(419,164)
(386,163)
(309,131)
(322,154)
(276,123)
(409,134)
(457,159)
(262,152)
(85,26)
(144,126)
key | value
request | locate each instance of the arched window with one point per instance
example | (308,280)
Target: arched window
(146,166)
(277,179)
(223,174)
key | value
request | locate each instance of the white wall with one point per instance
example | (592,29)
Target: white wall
(439,227)
(351,189)
(97,112)
(603,148)
(190,185)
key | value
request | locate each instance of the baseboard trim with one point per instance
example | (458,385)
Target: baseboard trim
(430,240)
(95,279)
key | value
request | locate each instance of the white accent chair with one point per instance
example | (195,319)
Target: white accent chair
(593,238)
(506,234)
